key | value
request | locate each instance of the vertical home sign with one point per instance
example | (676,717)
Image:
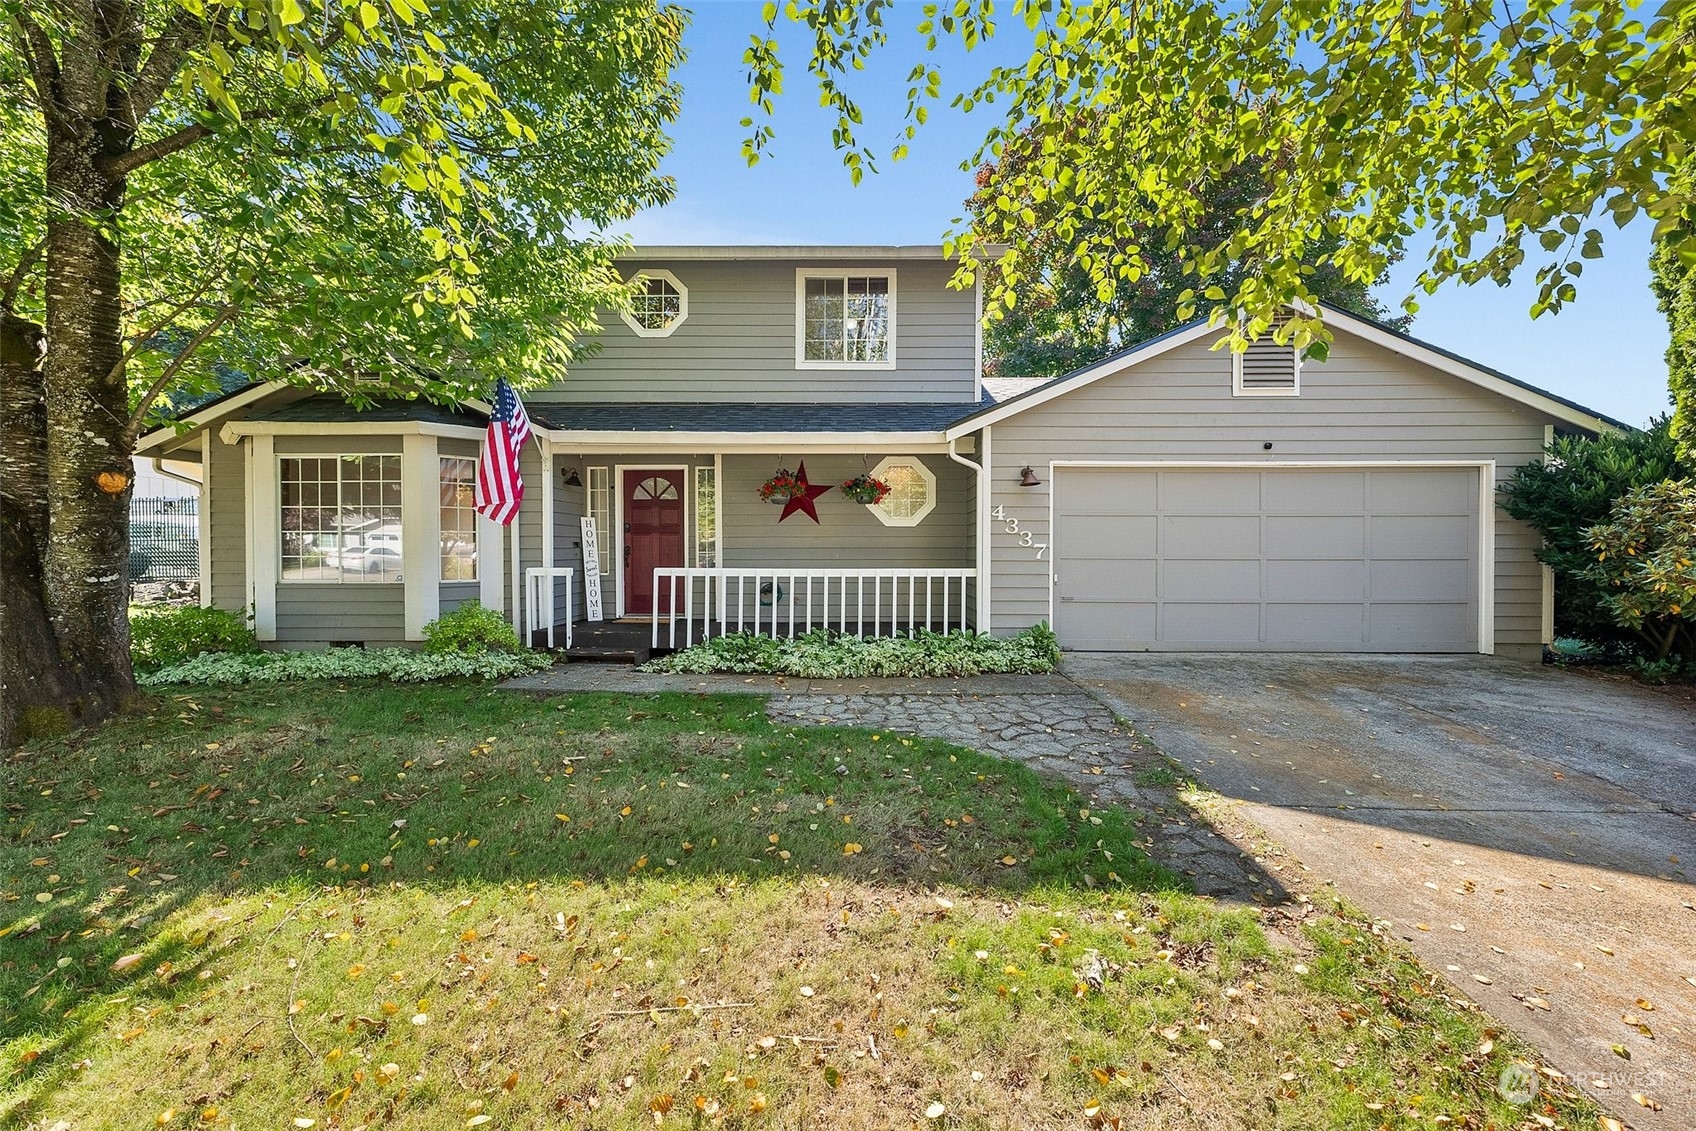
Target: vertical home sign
(591,570)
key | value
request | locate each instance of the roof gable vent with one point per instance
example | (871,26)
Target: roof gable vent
(1267,369)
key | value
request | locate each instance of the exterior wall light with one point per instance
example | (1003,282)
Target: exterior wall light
(1027,477)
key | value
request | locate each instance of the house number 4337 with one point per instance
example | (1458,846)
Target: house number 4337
(1010,525)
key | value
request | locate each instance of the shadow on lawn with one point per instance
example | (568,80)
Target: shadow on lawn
(288,790)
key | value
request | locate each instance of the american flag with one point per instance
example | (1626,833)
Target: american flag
(500,486)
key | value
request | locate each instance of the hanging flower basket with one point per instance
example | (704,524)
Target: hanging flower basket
(865,490)
(782,487)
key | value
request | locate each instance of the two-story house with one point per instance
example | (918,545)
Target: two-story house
(1174,496)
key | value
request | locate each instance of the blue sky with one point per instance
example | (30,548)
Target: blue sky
(1605,351)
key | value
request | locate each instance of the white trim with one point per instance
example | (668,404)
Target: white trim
(491,564)
(348,428)
(209,414)
(755,443)
(203,521)
(264,516)
(1548,579)
(1239,357)
(977,340)
(923,512)
(1335,319)
(517,564)
(986,556)
(802,274)
(420,532)
(731,252)
(1486,515)
(618,470)
(665,276)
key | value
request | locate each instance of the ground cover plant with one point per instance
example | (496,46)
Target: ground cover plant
(824,654)
(449,906)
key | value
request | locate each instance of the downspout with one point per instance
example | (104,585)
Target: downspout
(981,542)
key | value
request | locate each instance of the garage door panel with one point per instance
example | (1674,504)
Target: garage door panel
(1195,536)
(1111,536)
(1107,492)
(1311,536)
(1097,579)
(1423,621)
(1107,625)
(1184,579)
(1314,623)
(1310,580)
(1206,622)
(1412,580)
(1424,491)
(1316,492)
(1421,536)
(1209,492)
(1344,559)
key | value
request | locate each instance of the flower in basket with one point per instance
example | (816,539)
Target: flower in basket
(783,486)
(865,489)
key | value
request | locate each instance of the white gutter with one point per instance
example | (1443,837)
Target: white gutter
(981,542)
(159,468)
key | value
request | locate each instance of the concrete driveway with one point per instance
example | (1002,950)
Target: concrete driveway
(1532,832)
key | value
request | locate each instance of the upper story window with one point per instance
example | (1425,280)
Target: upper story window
(660,305)
(844,319)
(1267,369)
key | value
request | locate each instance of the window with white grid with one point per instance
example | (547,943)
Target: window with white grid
(845,320)
(706,518)
(659,306)
(459,519)
(600,509)
(341,518)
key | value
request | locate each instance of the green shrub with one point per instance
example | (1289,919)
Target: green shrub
(822,654)
(471,629)
(161,638)
(1645,566)
(1575,490)
(399,665)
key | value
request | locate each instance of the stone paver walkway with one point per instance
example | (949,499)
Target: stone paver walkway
(1046,722)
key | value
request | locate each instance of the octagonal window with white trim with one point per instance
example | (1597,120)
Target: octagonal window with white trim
(912,491)
(659,306)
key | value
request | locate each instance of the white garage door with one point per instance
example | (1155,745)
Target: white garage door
(1328,559)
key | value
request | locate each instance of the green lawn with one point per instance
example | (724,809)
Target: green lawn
(453,907)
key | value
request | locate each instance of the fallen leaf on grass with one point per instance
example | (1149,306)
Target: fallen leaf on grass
(851,848)
(935,1111)
(127,962)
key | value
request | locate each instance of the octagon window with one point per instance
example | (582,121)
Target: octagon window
(912,491)
(659,306)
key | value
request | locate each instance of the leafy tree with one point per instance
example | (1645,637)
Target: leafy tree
(1064,320)
(1675,289)
(1497,129)
(1575,490)
(1646,565)
(378,197)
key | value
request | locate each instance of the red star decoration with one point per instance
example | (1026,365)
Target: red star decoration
(804,501)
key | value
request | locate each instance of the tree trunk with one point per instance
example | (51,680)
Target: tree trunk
(79,582)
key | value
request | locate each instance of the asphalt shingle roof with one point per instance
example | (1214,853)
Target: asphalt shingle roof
(331,409)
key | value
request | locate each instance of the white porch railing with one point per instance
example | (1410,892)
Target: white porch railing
(785,602)
(541,586)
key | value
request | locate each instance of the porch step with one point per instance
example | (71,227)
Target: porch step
(609,655)
(609,642)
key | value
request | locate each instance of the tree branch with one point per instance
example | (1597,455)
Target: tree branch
(132,427)
(161,66)
(37,49)
(126,163)
(26,262)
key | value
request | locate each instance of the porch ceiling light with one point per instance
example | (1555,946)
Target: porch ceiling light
(1027,477)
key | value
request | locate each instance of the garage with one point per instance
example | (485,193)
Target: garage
(1312,558)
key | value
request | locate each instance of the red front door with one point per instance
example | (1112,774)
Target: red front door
(653,533)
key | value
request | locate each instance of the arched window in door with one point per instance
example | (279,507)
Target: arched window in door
(655,488)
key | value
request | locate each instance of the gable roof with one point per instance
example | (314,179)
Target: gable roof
(1562,409)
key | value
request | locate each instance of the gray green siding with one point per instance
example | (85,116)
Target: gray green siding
(314,613)
(738,342)
(227,505)
(1363,404)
